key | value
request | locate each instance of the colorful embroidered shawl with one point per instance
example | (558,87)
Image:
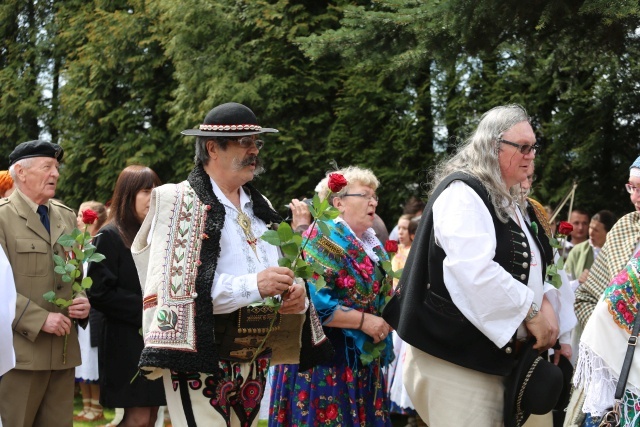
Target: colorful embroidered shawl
(352,281)
(603,346)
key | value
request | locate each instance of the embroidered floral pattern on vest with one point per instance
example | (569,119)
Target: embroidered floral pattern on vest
(180,265)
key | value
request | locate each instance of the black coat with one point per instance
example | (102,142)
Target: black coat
(117,294)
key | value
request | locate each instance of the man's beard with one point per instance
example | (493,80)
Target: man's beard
(239,164)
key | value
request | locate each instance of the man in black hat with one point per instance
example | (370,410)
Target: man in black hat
(39,390)
(203,265)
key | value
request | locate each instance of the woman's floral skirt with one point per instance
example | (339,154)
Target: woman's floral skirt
(329,396)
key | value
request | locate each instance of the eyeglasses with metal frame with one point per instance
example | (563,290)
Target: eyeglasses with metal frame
(369,197)
(524,148)
(631,188)
(247,142)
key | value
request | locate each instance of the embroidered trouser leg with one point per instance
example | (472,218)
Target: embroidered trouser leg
(228,398)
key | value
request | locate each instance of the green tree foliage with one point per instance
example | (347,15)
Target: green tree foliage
(392,85)
(116,96)
(21,63)
(246,51)
(570,63)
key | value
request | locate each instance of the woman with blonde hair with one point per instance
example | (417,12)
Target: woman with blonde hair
(347,390)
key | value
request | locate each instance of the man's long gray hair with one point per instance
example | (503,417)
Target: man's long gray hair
(478,156)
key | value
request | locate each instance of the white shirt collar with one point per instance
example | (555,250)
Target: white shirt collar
(244,197)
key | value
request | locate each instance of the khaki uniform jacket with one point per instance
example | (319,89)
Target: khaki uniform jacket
(30,251)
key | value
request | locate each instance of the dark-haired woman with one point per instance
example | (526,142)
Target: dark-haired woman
(117,294)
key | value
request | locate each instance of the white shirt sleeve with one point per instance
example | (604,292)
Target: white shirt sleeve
(230,292)
(486,294)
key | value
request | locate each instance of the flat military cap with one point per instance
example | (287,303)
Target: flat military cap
(36,148)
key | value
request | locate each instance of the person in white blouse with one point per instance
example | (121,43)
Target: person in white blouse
(473,287)
(7,314)
(202,264)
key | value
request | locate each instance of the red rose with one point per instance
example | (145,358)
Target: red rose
(89,216)
(391,246)
(336,182)
(565,228)
(332,411)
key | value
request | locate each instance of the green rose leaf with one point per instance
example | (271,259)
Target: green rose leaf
(297,239)
(86,282)
(284,262)
(324,228)
(66,241)
(560,263)
(49,296)
(366,358)
(290,249)
(63,303)
(58,260)
(96,258)
(368,346)
(79,254)
(285,233)
(303,272)
(271,237)
(60,269)
(66,278)
(76,287)
(320,283)
(69,268)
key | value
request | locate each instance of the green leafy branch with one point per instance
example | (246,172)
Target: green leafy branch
(71,271)
(553,276)
(291,244)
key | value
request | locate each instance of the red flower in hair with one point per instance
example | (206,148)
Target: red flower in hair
(336,182)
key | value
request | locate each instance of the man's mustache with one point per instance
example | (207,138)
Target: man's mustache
(249,160)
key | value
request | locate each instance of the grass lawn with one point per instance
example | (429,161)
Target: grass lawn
(109,414)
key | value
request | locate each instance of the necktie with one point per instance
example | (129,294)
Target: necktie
(44,217)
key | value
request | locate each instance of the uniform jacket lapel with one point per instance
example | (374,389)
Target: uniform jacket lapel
(33,219)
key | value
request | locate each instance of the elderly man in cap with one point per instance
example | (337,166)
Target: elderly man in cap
(39,390)
(203,267)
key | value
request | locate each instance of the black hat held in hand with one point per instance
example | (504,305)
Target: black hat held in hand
(533,387)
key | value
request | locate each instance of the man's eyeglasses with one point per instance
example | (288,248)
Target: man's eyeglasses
(524,148)
(247,142)
(369,197)
(631,188)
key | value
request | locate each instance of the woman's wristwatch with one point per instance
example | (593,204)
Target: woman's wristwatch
(533,312)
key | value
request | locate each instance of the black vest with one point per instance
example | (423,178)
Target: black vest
(421,310)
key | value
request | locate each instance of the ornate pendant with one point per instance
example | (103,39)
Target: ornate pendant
(245,224)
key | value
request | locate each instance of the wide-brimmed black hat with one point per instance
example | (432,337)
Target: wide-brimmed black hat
(36,148)
(534,387)
(230,119)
